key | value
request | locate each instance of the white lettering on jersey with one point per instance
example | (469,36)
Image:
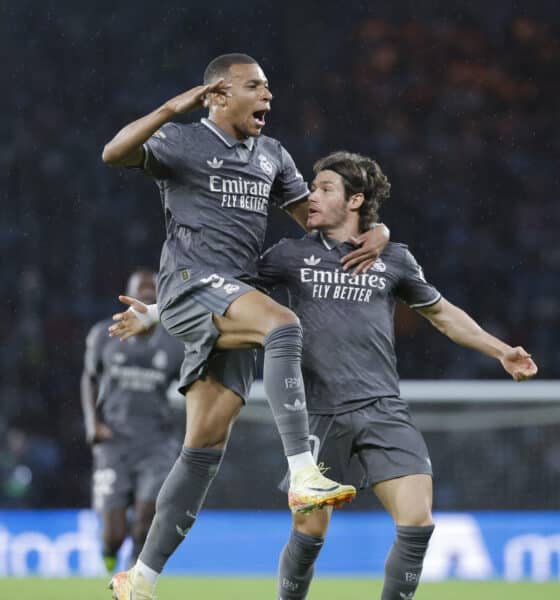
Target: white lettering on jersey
(241,193)
(338,285)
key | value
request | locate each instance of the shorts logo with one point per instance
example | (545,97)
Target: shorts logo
(406,596)
(312,261)
(265,164)
(379,265)
(214,280)
(214,163)
(160,360)
(297,406)
(230,288)
(185,275)
(217,282)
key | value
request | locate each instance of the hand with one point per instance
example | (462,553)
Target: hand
(371,245)
(127,323)
(519,364)
(195,98)
(101,433)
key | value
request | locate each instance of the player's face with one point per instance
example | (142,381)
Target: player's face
(328,207)
(249,102)
(142,285)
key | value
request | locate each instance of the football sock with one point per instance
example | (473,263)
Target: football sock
(110,561)
(179,500)
(403,566)
(283,385)
(295,570)
(149,574)
(299,461)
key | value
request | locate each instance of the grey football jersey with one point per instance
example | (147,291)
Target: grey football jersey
(215,192)
(133,378)
(348,330)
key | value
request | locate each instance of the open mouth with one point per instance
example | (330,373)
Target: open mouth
(258,116)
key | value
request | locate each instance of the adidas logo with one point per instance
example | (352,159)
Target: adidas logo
(182,532)
(406,596)
(312,261)
(297,406)
(214,163)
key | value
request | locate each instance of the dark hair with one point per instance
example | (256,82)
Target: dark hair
(360,174)
(220,65)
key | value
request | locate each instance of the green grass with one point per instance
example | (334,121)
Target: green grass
(176,588)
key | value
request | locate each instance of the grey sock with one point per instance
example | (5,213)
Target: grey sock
(178,502)
(295,570)
(403,566)
(283,385)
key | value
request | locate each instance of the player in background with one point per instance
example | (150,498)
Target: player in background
(217,179)
(128,423)
(349,367)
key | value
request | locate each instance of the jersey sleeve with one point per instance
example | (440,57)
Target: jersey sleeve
(160,152)
(95,341)
(272,266)
(413,289)
(289,186)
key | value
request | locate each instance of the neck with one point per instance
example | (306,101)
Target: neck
(226,126)
(342,232)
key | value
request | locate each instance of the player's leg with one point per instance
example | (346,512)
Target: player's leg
(211,411)
(297,560)
(213,403)
(114,531)
(332,444)
(144,512)
(254,318)
(112,490)
(408,500)
(397,466)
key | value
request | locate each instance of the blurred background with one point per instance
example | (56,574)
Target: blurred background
(458,103)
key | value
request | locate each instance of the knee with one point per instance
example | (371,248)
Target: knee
(210,431)
(280,317)
(417,517)
(315,525)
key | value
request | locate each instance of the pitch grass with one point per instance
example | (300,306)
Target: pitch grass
(187,588)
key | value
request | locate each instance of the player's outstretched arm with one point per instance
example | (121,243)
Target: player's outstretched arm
(457,325)
(125,149)
(138,319)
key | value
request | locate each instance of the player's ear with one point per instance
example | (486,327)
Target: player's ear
(356,200)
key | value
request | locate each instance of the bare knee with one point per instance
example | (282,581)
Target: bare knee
(316,524)
(418,516)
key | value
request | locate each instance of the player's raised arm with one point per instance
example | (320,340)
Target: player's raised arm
(125,149)
(458,326)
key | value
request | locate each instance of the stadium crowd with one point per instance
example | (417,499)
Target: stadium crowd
(460,111)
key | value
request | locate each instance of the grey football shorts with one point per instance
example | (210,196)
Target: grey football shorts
(124,473)
(374,443)
(190,319)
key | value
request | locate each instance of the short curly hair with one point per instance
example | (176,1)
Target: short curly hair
(360,174)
